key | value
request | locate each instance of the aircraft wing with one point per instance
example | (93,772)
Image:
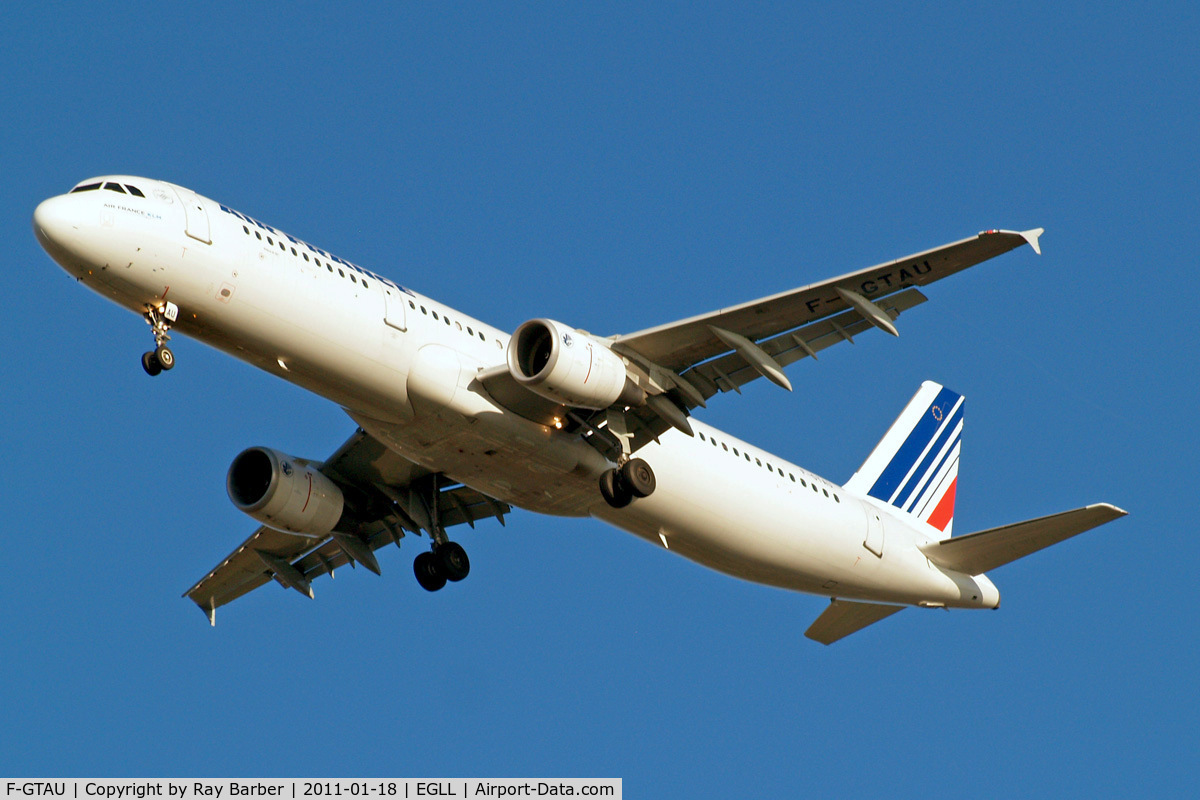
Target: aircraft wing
(391,494)
(684,363)
(679,346)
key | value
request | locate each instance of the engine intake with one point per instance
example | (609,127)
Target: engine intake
(570,367)
(284,493)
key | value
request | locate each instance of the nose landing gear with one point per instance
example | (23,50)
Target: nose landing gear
(159,318)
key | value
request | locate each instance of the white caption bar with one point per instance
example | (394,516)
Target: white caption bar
(297,789)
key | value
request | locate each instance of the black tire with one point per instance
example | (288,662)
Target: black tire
(428,570)
(637,475)
(166,359)
(150,363)
(614,491)
(453,561)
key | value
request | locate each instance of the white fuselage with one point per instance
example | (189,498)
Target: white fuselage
(404,367)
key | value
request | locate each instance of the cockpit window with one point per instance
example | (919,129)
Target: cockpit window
(133,190)
(114,187)
(86,188)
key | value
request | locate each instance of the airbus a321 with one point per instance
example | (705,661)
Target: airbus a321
(459,421)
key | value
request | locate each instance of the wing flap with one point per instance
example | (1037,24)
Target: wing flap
(980,552)
(679,345)
(731,371)
(844,617)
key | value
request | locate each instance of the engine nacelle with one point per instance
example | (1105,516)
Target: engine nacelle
(569,367)
(283,493)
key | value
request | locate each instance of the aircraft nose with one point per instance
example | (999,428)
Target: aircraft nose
(52,222)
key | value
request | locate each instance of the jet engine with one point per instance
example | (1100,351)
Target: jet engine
(284,493)
(569,367)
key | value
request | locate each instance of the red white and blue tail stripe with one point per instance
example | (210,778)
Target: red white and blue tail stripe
(915,465)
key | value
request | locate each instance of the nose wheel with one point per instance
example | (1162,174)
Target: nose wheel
(159,318)
(157,360)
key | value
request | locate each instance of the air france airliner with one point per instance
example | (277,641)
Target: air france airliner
(459,422)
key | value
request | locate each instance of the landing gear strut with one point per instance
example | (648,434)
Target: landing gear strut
(446,560)
(632,479)
(159,318)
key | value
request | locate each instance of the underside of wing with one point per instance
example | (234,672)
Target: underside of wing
(389,496)
(680,345)
(731,371)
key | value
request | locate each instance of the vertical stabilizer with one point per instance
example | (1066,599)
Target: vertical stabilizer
(915,465)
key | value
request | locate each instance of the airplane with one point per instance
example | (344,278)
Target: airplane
(459,421)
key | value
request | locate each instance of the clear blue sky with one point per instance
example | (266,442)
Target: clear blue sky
(617,167)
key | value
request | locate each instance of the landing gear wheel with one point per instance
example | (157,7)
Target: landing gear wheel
(614,490)
(150,363)
(637,475)
(428,569)
(452,560)
(160,317)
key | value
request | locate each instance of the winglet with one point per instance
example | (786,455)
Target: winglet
(1032,236)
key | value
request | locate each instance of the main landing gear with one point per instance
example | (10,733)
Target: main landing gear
(632,479)
(159,318)
(447,561)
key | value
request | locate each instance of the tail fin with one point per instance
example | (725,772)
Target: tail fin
(915,465)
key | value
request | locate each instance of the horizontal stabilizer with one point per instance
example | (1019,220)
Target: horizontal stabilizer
(977,553)
(844,617)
